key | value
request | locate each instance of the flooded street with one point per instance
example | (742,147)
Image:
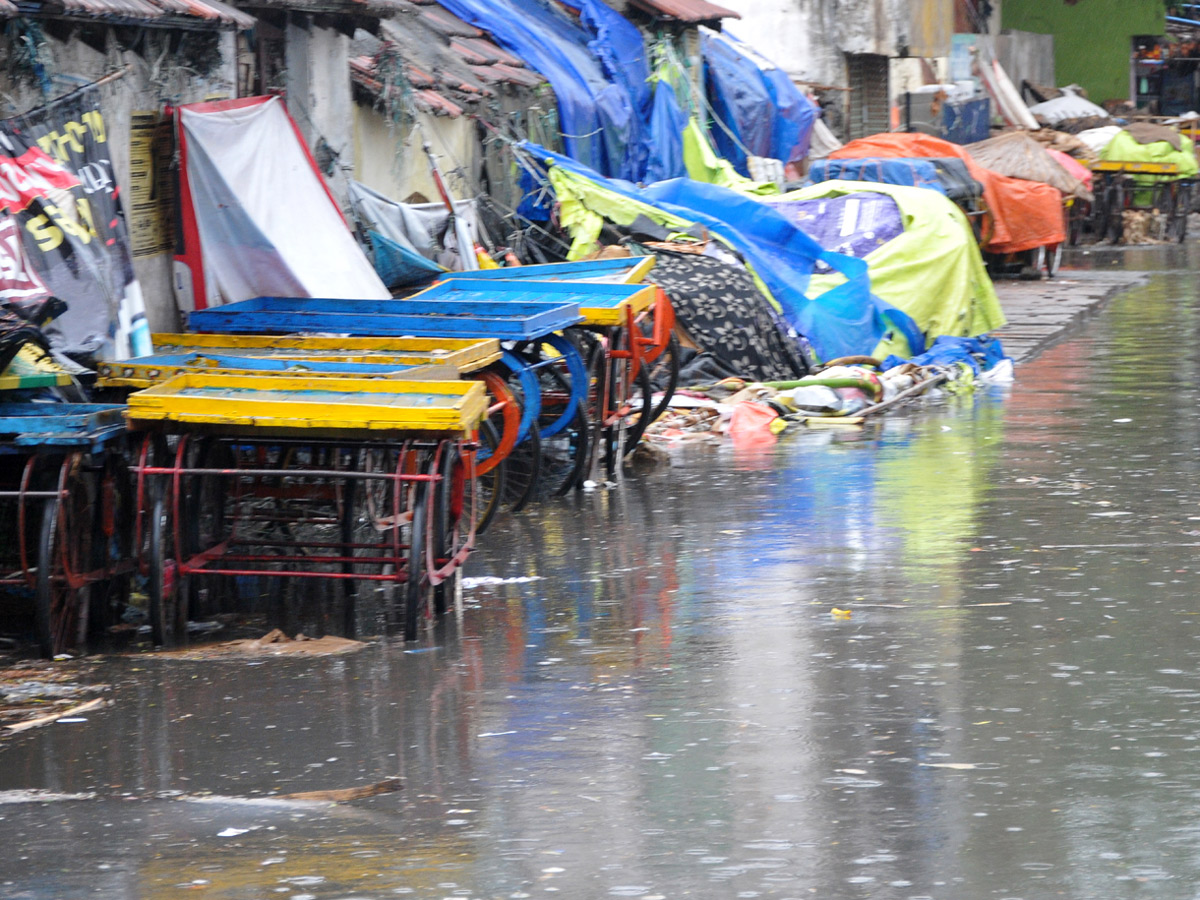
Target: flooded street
(650,694)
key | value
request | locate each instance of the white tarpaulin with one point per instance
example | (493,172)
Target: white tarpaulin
(258,219)
(423,228)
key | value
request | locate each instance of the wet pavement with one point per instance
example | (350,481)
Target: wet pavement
(657,700)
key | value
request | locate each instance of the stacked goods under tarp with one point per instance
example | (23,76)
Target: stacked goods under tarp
(258,220)
(846,320)
(949,177)
(412,243)
(1144,142)
(1025,214)
(1018,155)
(1067,108)
(1063,142)
(1096,139)
(722,313)
(1074,167)
(919,246)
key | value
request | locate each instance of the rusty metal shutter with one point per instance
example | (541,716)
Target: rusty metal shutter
(869,111)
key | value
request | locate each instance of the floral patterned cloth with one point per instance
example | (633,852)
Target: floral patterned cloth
(723,312)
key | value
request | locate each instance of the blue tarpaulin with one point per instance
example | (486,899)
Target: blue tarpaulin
(980,353)
(599,119)
(667,122)
(756,101)
(904,172)
(844,321)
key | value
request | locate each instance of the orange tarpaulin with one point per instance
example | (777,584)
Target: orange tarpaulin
(1025,214)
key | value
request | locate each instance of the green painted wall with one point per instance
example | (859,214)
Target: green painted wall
(1091,38)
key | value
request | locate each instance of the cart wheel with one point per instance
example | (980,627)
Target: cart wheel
(1180,207)
(1114,226)
(450,520)
(62,549)
(564,453)
(114,537)
(1081,212)
(417,587)
(664,376)
(166,588)
(1046,260)
(523,472)
(489,486)
(640,399)
(207,520)
(523,464)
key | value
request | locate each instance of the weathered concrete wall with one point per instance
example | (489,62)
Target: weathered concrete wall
(800,36)
(392,160)
(926,28)
(809,38)
(1027,56)
(158,76)
(319,97)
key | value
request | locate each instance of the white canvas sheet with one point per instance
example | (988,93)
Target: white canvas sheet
(267,226)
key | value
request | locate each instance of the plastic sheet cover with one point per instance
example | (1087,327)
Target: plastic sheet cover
(757,101)
(843,321)
(422,228)
(949,177)
(907,172)
(932,271)
(258,219)
(854,224)
(1025,214)
(602,123)
(667,124)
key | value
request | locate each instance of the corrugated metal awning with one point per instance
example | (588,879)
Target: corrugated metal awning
(690,11)
(183,13)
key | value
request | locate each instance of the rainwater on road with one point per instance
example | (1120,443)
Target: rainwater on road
(657,701)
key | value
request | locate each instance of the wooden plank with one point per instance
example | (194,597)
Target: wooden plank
(149,370)
(626,270)
(502,320)
(302,404)
(467,354)
(600,304)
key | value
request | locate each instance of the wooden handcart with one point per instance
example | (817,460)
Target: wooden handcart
(362,481)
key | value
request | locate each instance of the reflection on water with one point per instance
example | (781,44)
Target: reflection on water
(670,710)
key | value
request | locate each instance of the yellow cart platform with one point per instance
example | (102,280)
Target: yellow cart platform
(296,404)
(466,354)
